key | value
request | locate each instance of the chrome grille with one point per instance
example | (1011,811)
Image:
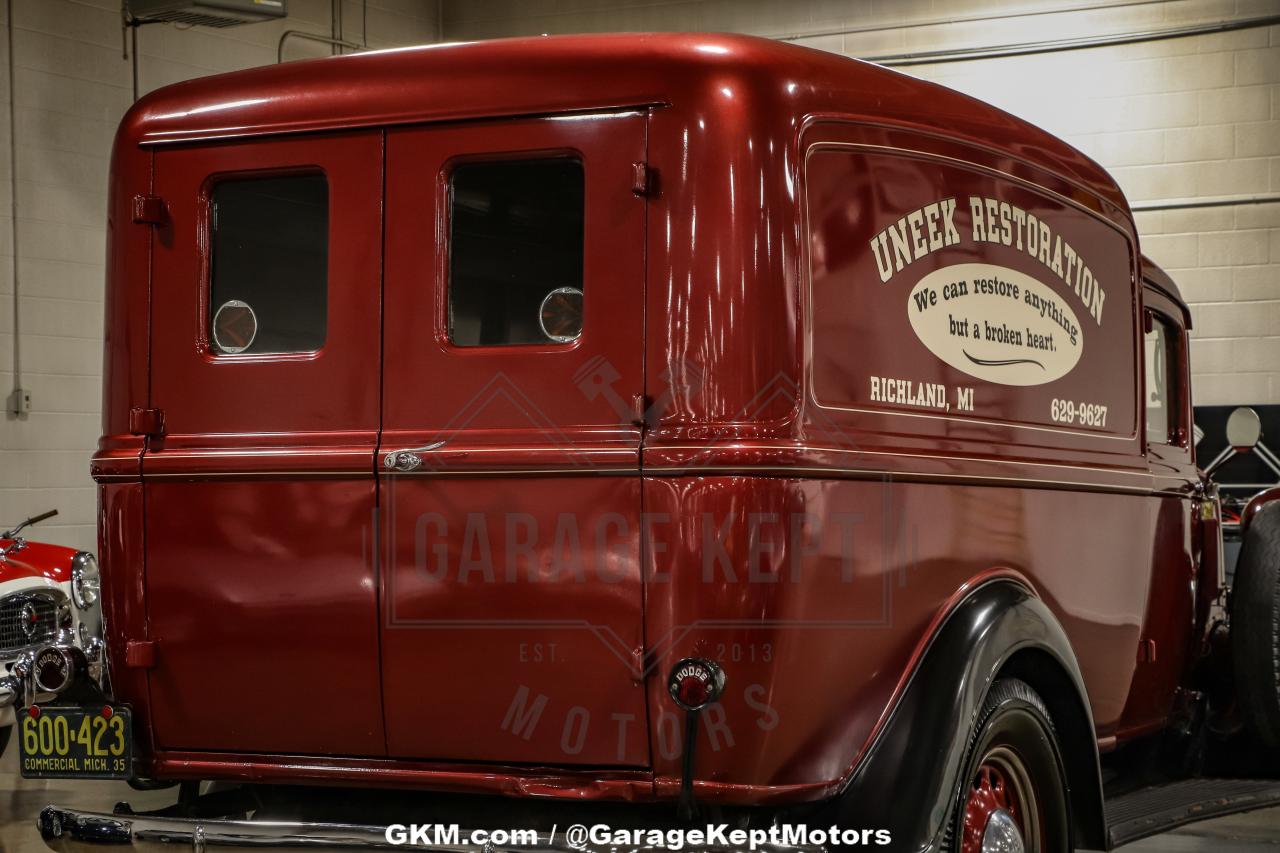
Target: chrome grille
(27,619)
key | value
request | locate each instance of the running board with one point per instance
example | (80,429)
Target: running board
(1151,811)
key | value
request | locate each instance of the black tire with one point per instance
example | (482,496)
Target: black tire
(5,732)
(1014,736)
(1255,627)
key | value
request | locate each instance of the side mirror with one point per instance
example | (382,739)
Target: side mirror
(1244,430)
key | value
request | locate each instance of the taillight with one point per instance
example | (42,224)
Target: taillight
(57,667)
(695,683)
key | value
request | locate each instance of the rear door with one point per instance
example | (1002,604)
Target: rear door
(260,496)
(510,491)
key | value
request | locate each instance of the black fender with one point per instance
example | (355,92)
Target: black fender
(909,778)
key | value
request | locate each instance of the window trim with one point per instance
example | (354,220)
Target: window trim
(204,252)
(444,258)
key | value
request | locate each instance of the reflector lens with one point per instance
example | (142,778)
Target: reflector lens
(693,691)
(560,315)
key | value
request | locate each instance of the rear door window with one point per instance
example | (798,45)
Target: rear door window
(515,268)
(269,283)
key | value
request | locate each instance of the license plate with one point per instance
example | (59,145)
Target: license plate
(75,742)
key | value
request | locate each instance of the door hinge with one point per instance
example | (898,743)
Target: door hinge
(149,210)
(140,654)
(148,422)
(640,406)
(638,666)
(644,179)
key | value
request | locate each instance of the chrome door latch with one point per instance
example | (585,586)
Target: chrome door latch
(408,459)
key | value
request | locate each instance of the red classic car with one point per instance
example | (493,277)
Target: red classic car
(657,426)
(49,620)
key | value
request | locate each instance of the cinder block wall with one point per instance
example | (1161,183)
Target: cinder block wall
(1195,117)
(72,85)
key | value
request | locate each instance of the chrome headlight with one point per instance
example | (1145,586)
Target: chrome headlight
(86,584)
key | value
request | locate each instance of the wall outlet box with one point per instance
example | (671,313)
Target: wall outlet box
(20,402)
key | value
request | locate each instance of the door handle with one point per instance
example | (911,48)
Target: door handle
(408,459)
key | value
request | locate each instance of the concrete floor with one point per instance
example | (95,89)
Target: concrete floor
(1252,832)
(21,801)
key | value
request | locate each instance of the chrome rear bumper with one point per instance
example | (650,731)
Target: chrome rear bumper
(74,831)
(71,831)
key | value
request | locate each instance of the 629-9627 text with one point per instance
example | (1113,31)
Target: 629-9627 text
(1083,414)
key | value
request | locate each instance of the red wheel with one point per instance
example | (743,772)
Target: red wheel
(1015,796)
(1001,813)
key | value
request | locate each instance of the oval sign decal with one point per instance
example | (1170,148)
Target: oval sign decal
(996,324)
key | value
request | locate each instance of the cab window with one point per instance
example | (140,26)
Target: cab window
(515,252)
(1162,389)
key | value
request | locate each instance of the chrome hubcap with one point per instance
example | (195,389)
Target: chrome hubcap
(1002,834)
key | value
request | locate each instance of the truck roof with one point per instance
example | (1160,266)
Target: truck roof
(559,74)
(1155,276)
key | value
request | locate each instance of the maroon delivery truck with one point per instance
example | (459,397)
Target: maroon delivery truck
(661,426)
